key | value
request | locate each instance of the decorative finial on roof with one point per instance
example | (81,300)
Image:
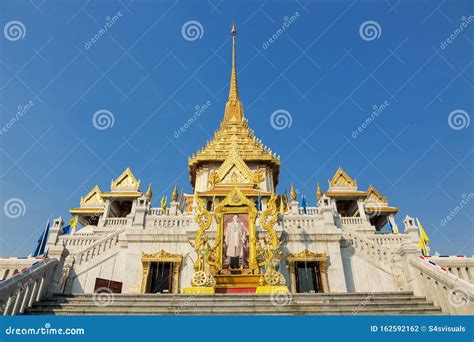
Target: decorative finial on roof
(175,194)
(149,193)
(292,192)
(319,193)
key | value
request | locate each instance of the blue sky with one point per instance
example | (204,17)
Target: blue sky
(324,70)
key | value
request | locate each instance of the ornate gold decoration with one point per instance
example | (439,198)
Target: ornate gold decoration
(258,177)
(149,193)
(270,254)
(268,218)
(125,182)
(161,256)
(306,255)
(214,179)
(205,254)
(175,194)
(232,163)
(373,196)
(342,179)
(203,219)
(234,203)
(292,192)
(319,193)
(92,199)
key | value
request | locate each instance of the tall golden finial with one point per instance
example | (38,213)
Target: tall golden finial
(149,193)
(319,193)
(233,109)
(175,194)
(292,193)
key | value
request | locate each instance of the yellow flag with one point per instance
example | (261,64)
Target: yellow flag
(73,222)
(282,208)
(424,240)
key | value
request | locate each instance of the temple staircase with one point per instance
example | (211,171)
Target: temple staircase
(390,303)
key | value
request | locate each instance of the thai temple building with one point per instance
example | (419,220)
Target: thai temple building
(236,241)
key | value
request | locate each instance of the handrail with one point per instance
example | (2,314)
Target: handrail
(26,288)
(454,295)
(98,247)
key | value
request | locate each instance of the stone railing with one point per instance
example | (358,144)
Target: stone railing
(460,266)
(98,248)
(12,265)
(389,240)
(170,221)
(454,295)
(378,255)
(309,211)
(158,211)
(299,221)
(116,221)
(351,221)
(26,288)
(77,240)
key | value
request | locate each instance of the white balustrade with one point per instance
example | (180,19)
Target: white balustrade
(116,221)
(24,289)
(350,221)
(98,248)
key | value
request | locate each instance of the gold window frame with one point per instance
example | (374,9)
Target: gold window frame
(162,256)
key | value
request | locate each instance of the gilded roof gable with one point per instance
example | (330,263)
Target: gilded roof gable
(93,198)
(125,182)
(373,196)
(342,180)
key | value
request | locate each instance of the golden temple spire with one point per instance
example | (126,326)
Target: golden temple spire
(319,193)
(175,194)
(233,110)
(292,192)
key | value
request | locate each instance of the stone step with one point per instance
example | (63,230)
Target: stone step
(426,310)
(394,303)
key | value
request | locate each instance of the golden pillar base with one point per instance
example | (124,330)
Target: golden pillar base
(199,290)
(271,289)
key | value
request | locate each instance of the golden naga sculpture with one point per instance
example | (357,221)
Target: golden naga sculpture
(271,255)
(268,218)
(202,275)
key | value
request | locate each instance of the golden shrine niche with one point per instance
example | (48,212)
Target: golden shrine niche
(236,210)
